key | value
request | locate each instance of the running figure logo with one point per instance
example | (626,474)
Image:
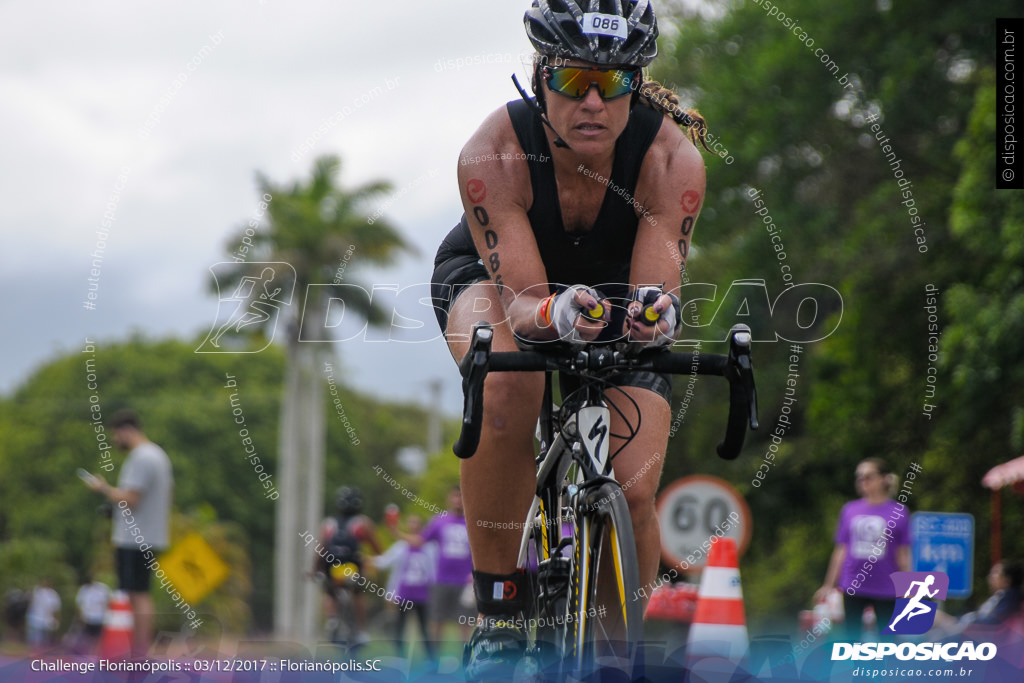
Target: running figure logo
(255,302)
(915,610)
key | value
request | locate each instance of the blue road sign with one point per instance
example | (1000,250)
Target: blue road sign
(944,542)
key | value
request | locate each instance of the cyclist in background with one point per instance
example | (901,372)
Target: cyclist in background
(342,537)
(579,187)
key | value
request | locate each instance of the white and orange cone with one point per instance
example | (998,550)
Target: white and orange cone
(118,625)
(719,627)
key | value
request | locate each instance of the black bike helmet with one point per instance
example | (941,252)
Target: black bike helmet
(349,501)
(607,32)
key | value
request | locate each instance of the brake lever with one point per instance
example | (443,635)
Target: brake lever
(739,355)
(479,349)
(474,371)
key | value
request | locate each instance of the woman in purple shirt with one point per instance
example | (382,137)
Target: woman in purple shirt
(412,574)
(872,541)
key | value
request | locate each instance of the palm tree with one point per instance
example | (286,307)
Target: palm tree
(313,226)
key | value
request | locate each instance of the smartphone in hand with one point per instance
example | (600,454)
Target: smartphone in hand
(86,476)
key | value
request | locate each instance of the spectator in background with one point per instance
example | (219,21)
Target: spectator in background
(1004,580)
(872,541)
(43,616)
(142,516)
(454,566)
(16,603)
(412,573)
(91,601)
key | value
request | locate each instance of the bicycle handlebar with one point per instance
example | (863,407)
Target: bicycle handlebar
(736,367)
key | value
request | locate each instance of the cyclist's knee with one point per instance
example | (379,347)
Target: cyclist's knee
(641,487)
(641,506)
(477,303)
(511,403)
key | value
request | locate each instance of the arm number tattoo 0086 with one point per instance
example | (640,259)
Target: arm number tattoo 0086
(491,240)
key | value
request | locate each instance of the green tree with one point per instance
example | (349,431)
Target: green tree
(981,316)
(49,429)
(314,226)
(49,520)
(798,125)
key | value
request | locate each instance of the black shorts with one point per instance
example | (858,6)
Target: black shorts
(457,267)
(132,573)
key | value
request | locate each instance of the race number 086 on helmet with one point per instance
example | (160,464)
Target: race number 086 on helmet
(606,32)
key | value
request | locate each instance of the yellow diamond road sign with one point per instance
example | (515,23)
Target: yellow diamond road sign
(194,568)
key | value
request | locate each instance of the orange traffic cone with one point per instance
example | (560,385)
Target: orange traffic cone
(118,624)
(719,627)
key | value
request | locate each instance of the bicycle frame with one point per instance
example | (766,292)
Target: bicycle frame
(577,435)
(589,453)
(582,440)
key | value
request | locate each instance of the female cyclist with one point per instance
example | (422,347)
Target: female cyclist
(579,208)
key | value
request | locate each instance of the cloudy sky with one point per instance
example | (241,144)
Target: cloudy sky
(163,112)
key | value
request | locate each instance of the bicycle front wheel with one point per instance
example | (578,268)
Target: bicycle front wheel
(604,580)
(547,621)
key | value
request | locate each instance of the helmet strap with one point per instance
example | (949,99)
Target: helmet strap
(635,97)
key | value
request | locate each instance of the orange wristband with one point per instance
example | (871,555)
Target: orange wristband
(545,310)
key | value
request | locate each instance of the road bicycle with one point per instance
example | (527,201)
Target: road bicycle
(340,627)
(566,627)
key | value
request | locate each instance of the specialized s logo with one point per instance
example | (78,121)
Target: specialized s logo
(916,596)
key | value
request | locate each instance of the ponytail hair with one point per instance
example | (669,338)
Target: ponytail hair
(661,99)
(650,93)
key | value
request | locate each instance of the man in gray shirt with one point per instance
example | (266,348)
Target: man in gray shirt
(142,516)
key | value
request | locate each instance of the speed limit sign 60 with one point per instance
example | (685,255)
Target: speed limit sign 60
(693,512)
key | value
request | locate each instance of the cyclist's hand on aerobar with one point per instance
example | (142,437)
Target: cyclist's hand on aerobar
(652,318)
(578,314)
